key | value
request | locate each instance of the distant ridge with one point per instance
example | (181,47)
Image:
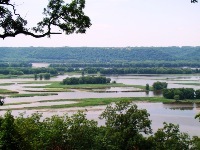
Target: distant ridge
(98,54)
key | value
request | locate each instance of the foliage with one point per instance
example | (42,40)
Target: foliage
(133,57)
(69,18)
(176,97)
(141,70)
(182,93)
(86,80)
(125,124)
(197,94)
(159,85)
(27,70)
(125,128)
(196,143)
(147,87)
(170,137)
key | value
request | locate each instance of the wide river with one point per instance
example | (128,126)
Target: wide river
(159,113)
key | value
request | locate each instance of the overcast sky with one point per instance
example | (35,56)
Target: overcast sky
(121,23)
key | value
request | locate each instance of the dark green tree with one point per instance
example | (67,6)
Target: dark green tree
(69,17)
(170,137)
(35,76)
(147,87)
(125,126)
(159,85)
(41,76)
(197,93)
(9,136)
(168,93)
(47,76)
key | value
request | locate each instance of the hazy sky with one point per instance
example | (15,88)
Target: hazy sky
(121,23)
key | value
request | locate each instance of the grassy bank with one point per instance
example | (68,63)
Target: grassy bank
(83,86)
(6,84)
(100,101)
(32,95)
(196,84)
(4,91)
(95,102)
(15,76)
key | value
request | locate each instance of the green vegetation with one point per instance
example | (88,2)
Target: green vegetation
(196,84)
(65,17)
(147,88)
(27,71)
(86,80)
(100,101)
(6,84)
(32,95)
(83,86)
(106,57)
(181,93)
(126,127)
(5,91)
(51,90)
(154,70)
(159,85)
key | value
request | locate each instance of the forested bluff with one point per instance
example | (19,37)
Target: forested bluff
(187,55)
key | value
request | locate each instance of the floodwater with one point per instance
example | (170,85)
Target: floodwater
(172,81)
(178,114)
(38,65)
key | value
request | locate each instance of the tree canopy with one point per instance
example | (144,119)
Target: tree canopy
(69,17)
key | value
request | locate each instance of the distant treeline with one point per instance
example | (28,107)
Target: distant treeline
(167,64)
(101,54)
(62,70)
(22,70)
(86,80)
(149,71)
(22,64)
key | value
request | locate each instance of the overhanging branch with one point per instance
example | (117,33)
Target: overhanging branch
(27,33)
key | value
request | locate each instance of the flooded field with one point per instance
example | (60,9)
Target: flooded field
(178,114)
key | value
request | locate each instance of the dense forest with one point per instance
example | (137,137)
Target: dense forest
(131,55)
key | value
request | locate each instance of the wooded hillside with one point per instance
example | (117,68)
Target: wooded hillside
(99,55)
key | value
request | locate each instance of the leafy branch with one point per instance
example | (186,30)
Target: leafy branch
(70,18)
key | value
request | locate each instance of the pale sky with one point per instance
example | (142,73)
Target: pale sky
(121,23)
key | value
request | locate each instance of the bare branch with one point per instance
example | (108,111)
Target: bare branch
(27,33)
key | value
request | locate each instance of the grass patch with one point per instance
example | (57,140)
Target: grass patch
(15,76)
(83,86)
(142,87)
(51,90)
(7,76)
(38,82)
(196,84)
(5,84)
(101,101)
(32,95)
(58,90)
(5,91)
(96,102)
(17,103)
